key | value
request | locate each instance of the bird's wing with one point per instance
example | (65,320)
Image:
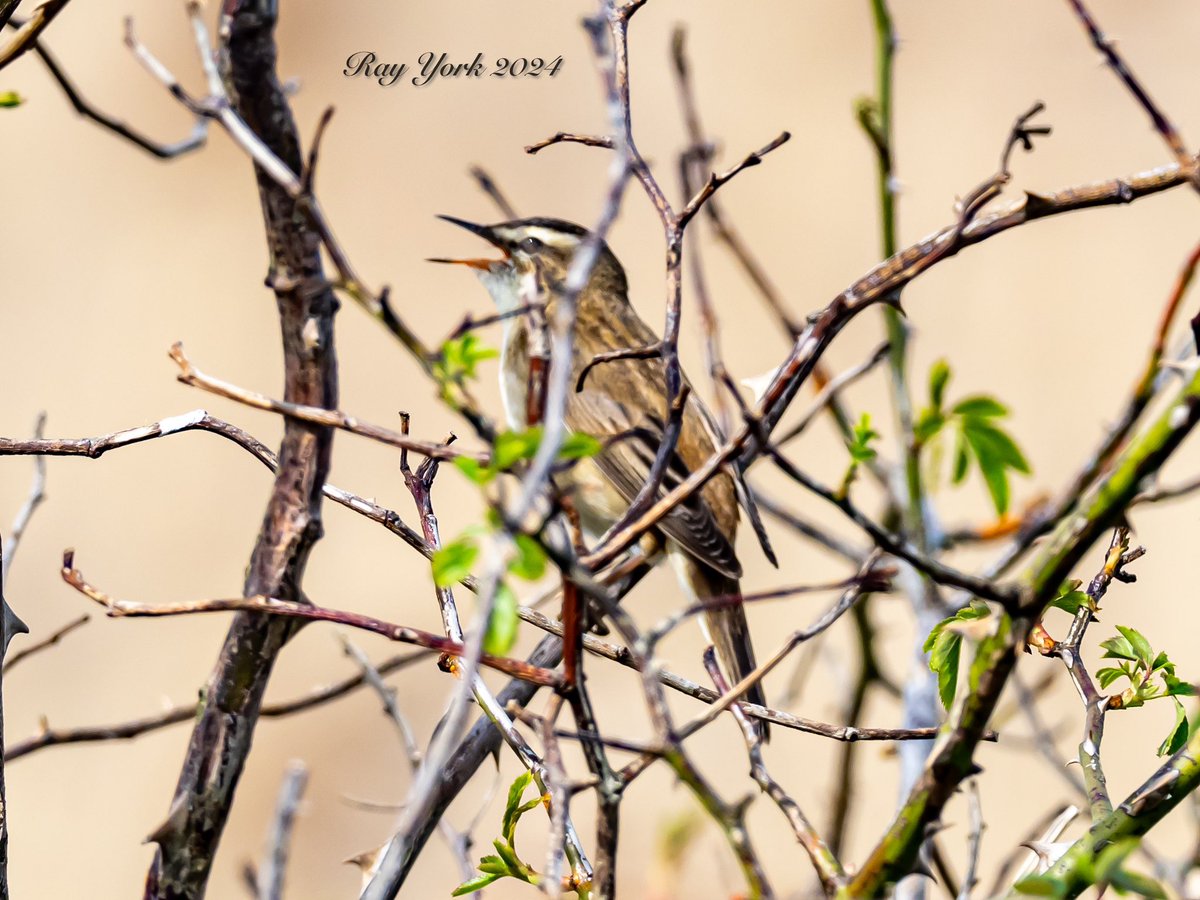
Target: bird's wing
(626,461)
(745,496)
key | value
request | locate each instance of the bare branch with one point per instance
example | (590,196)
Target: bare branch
(290,609)
(11,661)
(37,493)
(271,874)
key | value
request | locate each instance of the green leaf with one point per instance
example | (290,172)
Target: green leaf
(511,446)
(10,99)
(860,441)
(1139,644)
(1179,734)
(1041,886)
(998,443)
(516,791)
(1177,687)
(474,469)
(1108,675)
(961,459)
(509,855)
(980,406)
(493,865)
(945,647)
(1125,881)
(996,453)
(502,624)
(1108,861)
(1118,648)
(939,376)
(460,357)
(453,562)
(479,882)
(579,446)
(928,424)
(530,561)
(1071,601)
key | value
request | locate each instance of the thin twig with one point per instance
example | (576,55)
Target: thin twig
(37,494)
(53,737)
(11,661)
(1162,124)
(829,870)
(274,867)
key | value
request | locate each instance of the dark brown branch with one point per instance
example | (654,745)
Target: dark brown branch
(224,728)
(675,682)
(716,181)
(650,351)
(1162,124)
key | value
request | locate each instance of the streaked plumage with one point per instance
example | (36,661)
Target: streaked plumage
(621,398)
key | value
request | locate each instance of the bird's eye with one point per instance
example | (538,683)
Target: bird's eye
(531,244)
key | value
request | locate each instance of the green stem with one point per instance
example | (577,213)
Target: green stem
(1177,778)
(952,758)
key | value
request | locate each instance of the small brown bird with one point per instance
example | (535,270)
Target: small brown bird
(620,398)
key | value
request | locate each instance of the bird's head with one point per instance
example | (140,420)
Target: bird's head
(535,253)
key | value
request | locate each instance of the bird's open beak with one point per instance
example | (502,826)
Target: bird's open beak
(484,232)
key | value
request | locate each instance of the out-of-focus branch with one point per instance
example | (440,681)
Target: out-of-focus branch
(37,494)
(53,737)
(45,643)
(1162,124)
(271,873)
(488,185)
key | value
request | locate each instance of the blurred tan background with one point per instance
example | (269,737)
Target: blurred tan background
(109,256)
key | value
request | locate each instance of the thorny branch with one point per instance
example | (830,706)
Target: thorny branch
(247,101)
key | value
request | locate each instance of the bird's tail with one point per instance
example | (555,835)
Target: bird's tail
(725,626)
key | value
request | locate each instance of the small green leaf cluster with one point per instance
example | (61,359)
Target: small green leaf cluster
(1105,871)
(1151,676)
(944,646)
(1070,598)
(506,863)
(511,447)
(454,561)
(977,437)
(862,436)
(10,99)
(459,359)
